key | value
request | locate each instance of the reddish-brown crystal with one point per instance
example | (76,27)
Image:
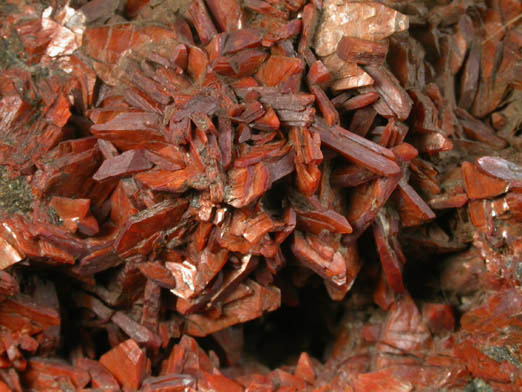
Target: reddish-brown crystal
(39,368)
(391,91)
(129,162)
(481,186)
(318,74)
(360,151)
(177,168)
(346,75)
(360,51)
(258,301)
(127,363)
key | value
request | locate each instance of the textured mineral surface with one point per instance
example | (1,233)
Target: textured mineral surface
(260,195)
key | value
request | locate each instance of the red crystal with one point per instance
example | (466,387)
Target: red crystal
(182,170)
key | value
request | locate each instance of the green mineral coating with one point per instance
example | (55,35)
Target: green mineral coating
(504,353)
(10,48)
(15,194)
(54,217)
(13,56)
(518,271)
(478,385)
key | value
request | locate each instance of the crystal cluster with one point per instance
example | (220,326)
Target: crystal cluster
(174,169)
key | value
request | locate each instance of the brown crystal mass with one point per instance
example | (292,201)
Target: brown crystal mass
(260,195)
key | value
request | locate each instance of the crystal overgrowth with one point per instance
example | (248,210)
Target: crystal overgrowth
(176,170)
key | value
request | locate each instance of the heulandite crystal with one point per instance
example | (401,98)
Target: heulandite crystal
(175,169)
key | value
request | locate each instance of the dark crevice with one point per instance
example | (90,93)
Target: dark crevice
(281,336)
